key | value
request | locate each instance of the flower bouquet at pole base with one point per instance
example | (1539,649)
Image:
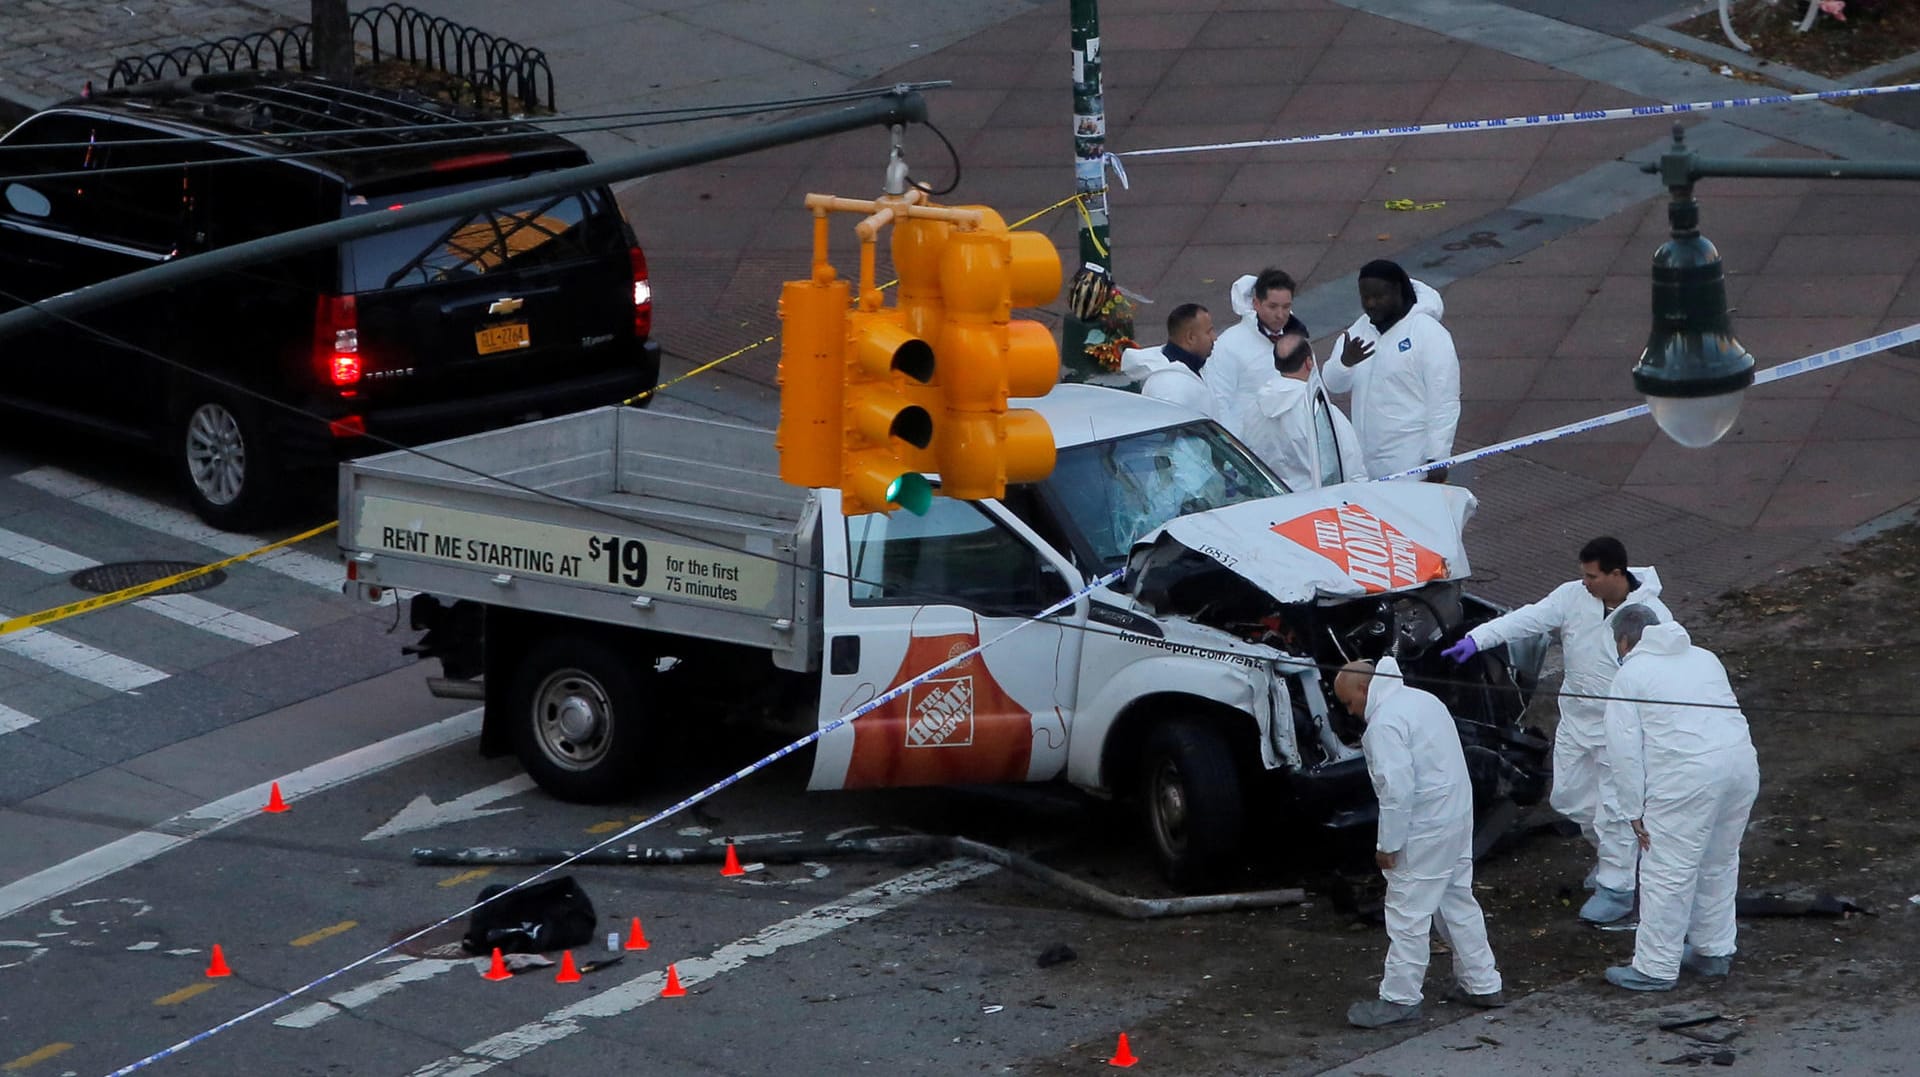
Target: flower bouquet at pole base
(1108,312)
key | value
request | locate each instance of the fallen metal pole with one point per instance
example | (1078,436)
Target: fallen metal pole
(900,107)
(908,846)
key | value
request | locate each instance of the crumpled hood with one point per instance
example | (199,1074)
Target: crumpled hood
(1140,362)
(1279,395)
(1386,682)
(1344,541)
(1649,584)
(1427,301)
(1667,637)
(1241,296)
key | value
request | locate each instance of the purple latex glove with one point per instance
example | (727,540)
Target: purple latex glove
(1462,650)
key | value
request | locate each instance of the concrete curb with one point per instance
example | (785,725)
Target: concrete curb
(1661,32)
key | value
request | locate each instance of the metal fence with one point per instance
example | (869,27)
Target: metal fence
(489,71)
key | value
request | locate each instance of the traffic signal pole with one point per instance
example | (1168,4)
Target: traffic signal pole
(1089,175)
(899,107)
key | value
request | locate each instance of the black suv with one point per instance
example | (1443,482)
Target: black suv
(527,310)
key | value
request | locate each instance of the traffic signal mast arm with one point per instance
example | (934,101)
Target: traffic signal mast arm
(873,396)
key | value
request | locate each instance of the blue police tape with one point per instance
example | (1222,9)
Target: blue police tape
(1831,357)
(1549,119)
(760,764)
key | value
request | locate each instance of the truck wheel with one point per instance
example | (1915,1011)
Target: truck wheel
(577,722)
(224,462)
(1195,815)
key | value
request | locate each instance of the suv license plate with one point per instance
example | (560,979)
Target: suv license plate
(501,338)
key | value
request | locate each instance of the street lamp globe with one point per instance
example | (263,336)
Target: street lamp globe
(1693,372)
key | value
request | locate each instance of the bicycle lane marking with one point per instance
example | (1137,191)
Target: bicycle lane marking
(817,922)
(115,856)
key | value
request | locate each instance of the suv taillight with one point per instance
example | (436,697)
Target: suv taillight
(642,295)
(336,342)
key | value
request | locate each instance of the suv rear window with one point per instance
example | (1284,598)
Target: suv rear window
(545,231)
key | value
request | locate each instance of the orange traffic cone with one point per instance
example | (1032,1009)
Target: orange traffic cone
(219,965)
(498,970)
(274,803)
(568,973)
(1122,1055)
(673,988)
(636,938)
(732,866)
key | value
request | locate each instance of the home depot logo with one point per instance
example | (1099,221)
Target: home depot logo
(941,714)
(1368,549)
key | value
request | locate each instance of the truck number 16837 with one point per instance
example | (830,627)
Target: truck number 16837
(626,559)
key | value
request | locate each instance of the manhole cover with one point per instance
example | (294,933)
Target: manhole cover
(106,579)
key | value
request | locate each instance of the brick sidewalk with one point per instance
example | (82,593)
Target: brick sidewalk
(1546,333)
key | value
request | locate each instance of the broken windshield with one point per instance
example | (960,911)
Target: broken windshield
(1119,491)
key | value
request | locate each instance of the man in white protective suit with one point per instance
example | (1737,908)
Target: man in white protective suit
(1580,612)
(1291,425)
(1173,372)
(1398,362)
(1244,358)
(1685,772)
(1424,845)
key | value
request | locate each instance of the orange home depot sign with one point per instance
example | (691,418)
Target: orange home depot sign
(958,728)
(1372,552)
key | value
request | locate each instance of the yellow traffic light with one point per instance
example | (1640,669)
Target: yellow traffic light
(813,339)
(878,415)
(987,356)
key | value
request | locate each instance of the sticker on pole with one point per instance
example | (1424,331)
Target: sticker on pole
(1370,551)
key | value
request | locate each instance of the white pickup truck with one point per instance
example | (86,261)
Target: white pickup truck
(597,571)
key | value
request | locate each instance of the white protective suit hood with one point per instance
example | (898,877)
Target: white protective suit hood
(1241,296)
(1386,683)
(1667,637)
(1165,379)
(1427,301)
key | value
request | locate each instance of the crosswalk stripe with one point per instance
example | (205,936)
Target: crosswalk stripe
(294,564)
(186,609)
(218,620)
(11,720)
(77,659)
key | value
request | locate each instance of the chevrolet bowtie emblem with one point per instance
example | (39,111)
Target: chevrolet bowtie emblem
(505,306)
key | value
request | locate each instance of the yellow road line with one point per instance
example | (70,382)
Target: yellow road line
(325,933)
(465,877)
(607,827)
(184,994)
(34,1058)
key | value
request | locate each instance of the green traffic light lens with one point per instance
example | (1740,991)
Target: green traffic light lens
(912,492)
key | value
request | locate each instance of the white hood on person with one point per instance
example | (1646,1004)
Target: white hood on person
(1406,396)
(1162,378)
(1242,357)
(1278,423)
(1586,642)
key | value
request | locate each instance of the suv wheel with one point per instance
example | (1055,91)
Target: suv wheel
(223,460)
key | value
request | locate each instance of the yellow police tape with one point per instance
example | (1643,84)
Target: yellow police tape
(59,613)
(72,609)
(764,341)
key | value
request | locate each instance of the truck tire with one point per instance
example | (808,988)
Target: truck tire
(1194,807)
(576,710)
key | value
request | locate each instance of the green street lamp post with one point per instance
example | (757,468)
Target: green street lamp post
(1693,372)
